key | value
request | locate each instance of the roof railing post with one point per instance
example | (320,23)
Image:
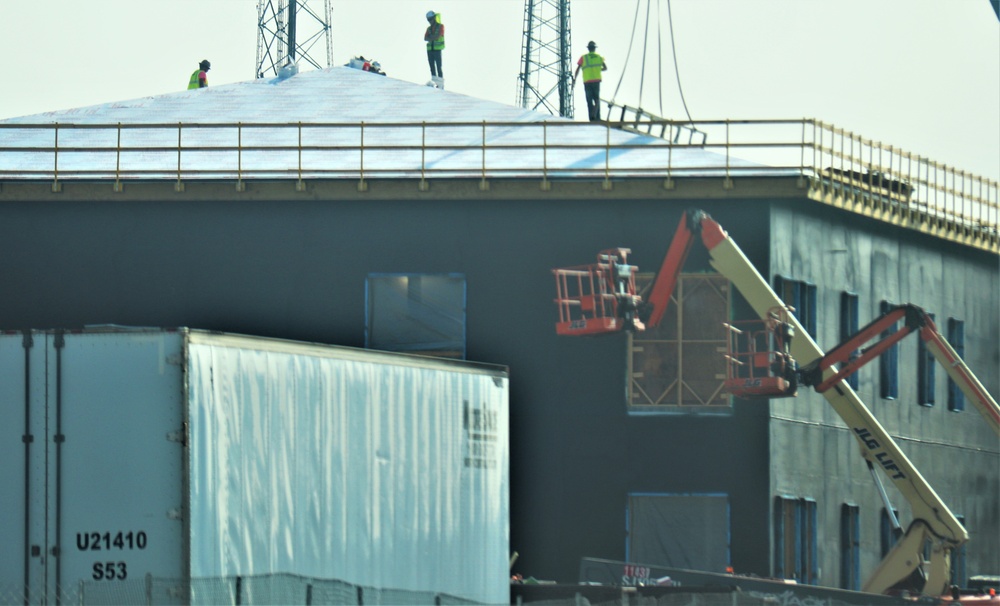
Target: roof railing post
(606,186)
(545,186)
(56,187)
(802,157)
(300,185)
(423,185)
(118,161)
(179,185)
(727,182)
(484,185)
(668,183)
(240,186)
(362,186)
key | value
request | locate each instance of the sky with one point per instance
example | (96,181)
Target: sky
(920,75)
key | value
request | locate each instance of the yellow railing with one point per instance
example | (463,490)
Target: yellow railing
(837,166)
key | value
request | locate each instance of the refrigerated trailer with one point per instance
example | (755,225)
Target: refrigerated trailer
(185,466)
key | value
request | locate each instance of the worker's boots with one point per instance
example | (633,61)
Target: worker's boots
(438,81)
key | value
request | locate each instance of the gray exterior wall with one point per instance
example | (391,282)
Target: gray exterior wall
(812,453)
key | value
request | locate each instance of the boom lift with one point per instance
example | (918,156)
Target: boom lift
(601,298)
(915,320)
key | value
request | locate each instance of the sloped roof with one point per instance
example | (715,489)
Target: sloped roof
(310,125)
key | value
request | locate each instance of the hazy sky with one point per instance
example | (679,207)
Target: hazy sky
(921,75)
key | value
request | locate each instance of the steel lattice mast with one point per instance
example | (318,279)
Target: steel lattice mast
(546,77)
(289,32)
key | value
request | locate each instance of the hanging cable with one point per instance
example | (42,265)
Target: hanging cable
(628,54)
(677,70)
(645,45)
(659,55)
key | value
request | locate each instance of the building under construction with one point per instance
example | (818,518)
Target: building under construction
(386,215)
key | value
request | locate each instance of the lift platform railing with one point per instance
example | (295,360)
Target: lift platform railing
(836,166)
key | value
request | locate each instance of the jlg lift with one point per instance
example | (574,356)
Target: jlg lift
(915,320)
(601,298)
(605,301)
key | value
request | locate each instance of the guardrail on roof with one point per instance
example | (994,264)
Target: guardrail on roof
(839,167)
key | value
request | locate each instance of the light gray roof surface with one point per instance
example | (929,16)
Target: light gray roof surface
(252,130)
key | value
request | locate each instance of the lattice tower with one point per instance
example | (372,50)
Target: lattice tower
(546,78)
(291,32)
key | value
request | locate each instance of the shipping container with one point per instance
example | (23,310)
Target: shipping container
(184,466)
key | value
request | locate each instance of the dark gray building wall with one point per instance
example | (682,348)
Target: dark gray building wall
(812,453)
(295,267)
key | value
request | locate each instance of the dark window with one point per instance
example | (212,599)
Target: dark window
(925,373)
(958,571)
(849,328)
(416,313)
(889,532)
(888,362)
(795,541)
(678,530)
(809,572)
(802,297)
(850,547)
(956,337)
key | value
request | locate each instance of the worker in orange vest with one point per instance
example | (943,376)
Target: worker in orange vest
(592,65)
(199,79)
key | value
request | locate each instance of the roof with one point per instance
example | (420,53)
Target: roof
(330,123)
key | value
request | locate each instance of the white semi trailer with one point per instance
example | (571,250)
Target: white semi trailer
(184,466)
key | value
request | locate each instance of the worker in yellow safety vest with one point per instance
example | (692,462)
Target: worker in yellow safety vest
(592,65)
(434,37)
(199,79)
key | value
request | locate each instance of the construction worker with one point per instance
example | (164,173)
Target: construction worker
(434,37)
(199,79)
(592,65)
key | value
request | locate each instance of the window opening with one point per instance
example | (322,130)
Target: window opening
(678,530)
(889,532)
(801,296)
(958,568)
(925,372)
(416,313)
(850,547)
(680,364)
(888,362)
(795,540)
(956,337)
(848,328)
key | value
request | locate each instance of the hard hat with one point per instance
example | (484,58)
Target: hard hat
(591,45)
(376,65)
(205,65)
(430,14)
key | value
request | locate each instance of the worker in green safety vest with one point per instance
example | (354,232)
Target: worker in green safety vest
(592,65)
(434,37)
(199,79)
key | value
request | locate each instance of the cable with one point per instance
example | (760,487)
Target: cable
(659,55)
(677,70)
(628,54)
(645,40)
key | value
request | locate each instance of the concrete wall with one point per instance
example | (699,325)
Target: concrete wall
(812,453)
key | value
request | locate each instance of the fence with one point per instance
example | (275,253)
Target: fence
(286,589)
